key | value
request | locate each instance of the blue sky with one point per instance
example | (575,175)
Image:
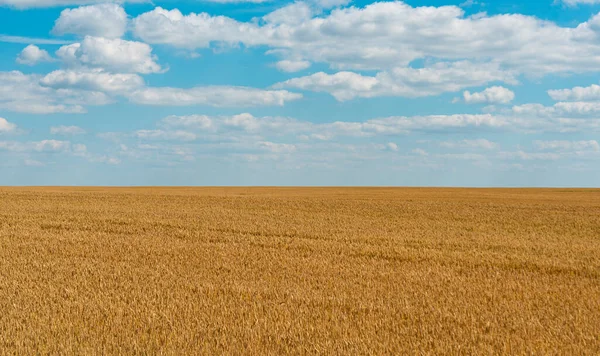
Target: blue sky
(314,92)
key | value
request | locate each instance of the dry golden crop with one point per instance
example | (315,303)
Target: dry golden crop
(299,270)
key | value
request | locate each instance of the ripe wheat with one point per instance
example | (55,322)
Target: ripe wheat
(299,270)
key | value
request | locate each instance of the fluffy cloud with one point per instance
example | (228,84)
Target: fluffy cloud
(475,144)
(277,147)
(200,122)
(568,145)
(577,94)
(110,54)
(32,55)
(67,130)
(6,127)
(23,93)
(392,146)
(36,146)
(244,122)
(362,38)
(294,14)
(561,109)
(530,156)
(292,66)
(165,135)
(219,96)
(579,2)
(247,125)
(493,95)
(102,20)
(93,80)
(409,82)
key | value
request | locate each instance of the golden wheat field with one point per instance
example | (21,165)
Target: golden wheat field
(299,270)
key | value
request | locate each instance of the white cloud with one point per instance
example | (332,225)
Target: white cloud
(292,66)
(101,20)
(277,147)
(579,2)
(366,38)
(392,146)
(6,126)
(218,96)
(32,55)
(568,145)
(577,94)
(560,109)
(36,146)
(165,135)
(408,82)
(110,54)
(248,124)
(67,130)
(33,163)
(420,152)
(93,80)
(54,147)
(24,4)
(477,144)
(23,93)
(530,156)
(201,122)
(493,95)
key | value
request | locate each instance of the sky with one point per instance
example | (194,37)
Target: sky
(311,92)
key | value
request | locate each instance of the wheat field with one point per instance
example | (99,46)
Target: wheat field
(299,270)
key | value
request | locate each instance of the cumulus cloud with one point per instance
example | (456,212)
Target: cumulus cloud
(218,96)
(110,54)
(67,130)
(23,93)
(530,156)
(292,66)
(577,94)
(32,55)
(165,135)
(286,126)
(392,146)
(563,145)
(277,147)
(97,80)
(33,163)
(409,82)
(561,109)
(6,127)
(295,14)
(470,144)
(101,20)
(493,95)
(36,146)
(579,2)
(362,38)
(245,124)
(200,122)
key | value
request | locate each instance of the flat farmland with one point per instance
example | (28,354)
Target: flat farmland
(299,270)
